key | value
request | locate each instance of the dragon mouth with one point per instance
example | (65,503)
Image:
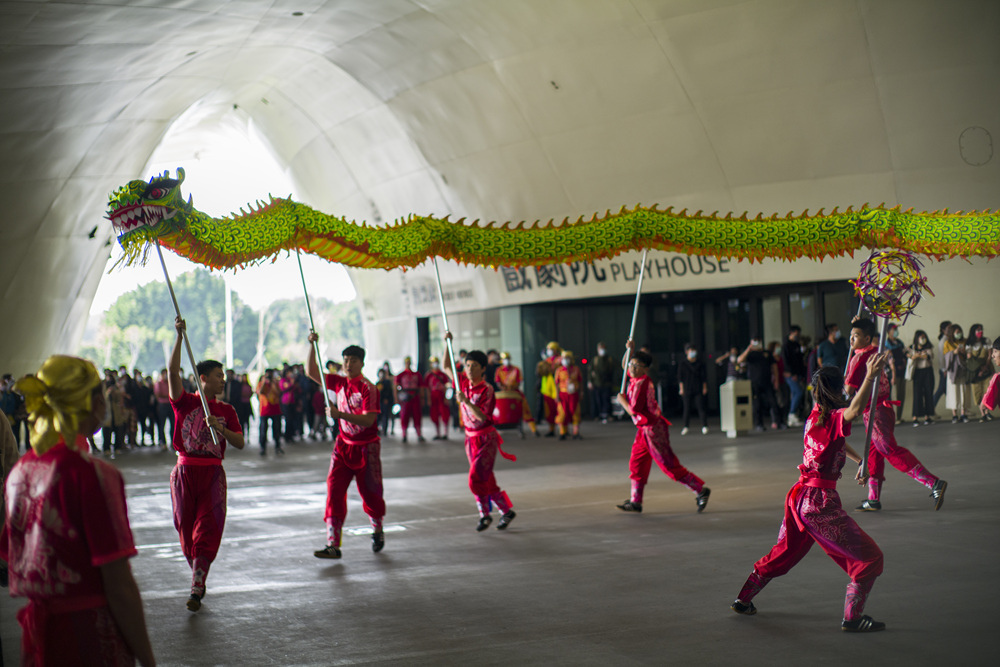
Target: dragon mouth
(130,217)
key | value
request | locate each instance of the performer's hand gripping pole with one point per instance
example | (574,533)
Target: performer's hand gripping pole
(312,329)
(873,405)
(187,343)
(444,319)
(635,314)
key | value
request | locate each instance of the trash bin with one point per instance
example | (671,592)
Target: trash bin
(736,406)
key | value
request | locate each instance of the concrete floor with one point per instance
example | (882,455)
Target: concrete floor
(573,581)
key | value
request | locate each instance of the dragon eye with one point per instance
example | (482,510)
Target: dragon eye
(156,193)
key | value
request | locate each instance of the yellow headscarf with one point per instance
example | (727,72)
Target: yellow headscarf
(57,398)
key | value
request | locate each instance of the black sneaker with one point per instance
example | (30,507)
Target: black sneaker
(562,436)
(484,523)
(421,438)
(329,551)
(937,493)
(745,608)
(378,541)
(869,506)
(194,602)
(916,424)
(988,417)
(629,506)
(965,419)
(702,498)
(863,624)
(954,420)
(280,451)
(928,421)
(550,434)
(506,519)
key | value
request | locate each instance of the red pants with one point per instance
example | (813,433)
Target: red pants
(884,448)
(68,631)
(481,449)
(362,464)
(410,412)
(815,515)
(652,442)
(569,409)
(440,414)
(551,409)
(198,494)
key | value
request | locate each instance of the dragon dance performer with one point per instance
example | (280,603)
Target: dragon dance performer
(357,450)
(547,390)
(813,512)
(66,536)
(409,385)
(437,383)
(884,447)
(198,481)
(569,381)
(509,378)
(652,438)
(482,442)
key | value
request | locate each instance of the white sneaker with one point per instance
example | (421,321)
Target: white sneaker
(793,420)
(684,431)
(704,430)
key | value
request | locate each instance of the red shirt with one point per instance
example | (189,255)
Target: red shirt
(355,396)
(408,384)
(857,369)
(66,517)
(641,395)
(509,378)
(480,395)
(191,433)
(990,398)
(568,379)
(437,381)
(824,455)
(270,398)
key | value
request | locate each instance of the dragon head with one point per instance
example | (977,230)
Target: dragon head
(147,210)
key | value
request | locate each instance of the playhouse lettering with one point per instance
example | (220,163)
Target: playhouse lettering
(579,273)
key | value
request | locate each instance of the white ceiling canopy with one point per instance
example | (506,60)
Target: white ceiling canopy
(521,109)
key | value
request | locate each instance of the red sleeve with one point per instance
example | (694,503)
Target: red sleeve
(857,369)
(369,400)
(990,399)
(232,421)
(463,383)
(105,518)
(841,427)
(487,401)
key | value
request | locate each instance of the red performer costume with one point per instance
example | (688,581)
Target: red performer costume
(198,482)
(652,441)
(883,446)
(66,538)
(482,442)
(409,384)
(545,370)
(508,378)
(437,382)
(356,452)
(568,381)
(66,518)
(992,396)
(356,455)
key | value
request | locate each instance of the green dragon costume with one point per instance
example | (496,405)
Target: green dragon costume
(143,212)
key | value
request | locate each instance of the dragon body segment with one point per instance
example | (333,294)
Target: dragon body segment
(144,212)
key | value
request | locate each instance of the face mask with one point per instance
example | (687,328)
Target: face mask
(435,365)
(601,351)
(506,362)
(836,334)
(959,336)
(979,334)
(732,358)
(922,341)
(565,362)
(692,355)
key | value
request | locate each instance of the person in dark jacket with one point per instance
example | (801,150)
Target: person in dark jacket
(693,380)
